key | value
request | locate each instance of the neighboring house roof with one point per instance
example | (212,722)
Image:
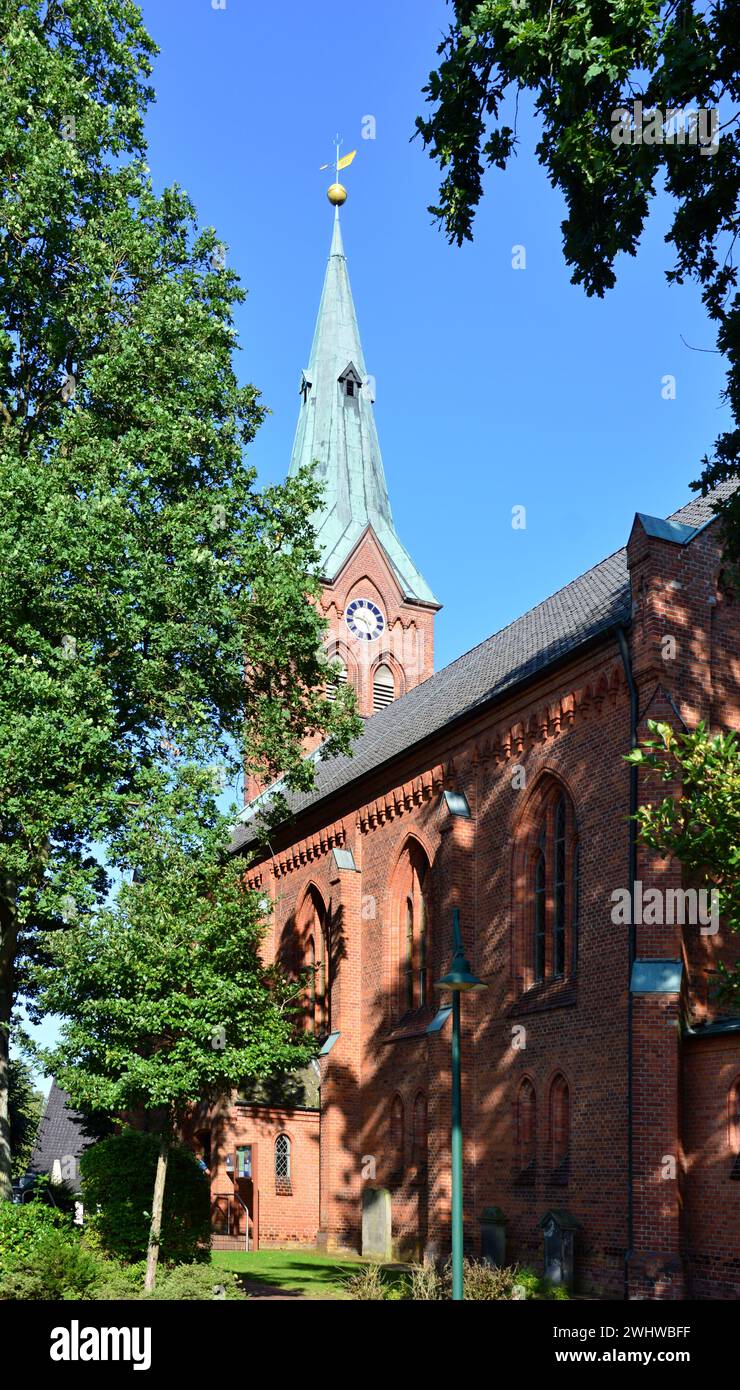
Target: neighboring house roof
(61,1134)
(339,435)
(574,616)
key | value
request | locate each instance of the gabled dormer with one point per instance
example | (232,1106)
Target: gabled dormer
(350,382)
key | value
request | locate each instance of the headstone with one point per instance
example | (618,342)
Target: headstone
(558,1230)
(493,1237)
(376,1223)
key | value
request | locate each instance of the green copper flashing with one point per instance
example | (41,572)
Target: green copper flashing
(337,431)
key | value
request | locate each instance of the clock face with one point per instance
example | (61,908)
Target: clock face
(364,618)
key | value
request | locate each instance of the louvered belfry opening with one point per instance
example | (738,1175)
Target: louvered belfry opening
(384,689)
(332,686)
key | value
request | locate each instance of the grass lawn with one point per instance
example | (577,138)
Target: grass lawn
(307,1272)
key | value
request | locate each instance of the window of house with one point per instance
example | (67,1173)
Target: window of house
(548,890)
(384,688)
(734,1127)
(283,1174)
(338,677)
(409,939)
(397,1147)
(420,1135)
(313,957)
(559,1130)
(526,1129)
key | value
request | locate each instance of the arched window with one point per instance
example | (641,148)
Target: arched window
(384,687)
(734,1127)
(315,957)
(409,962)
(559,1129)
(283,1173)
(540,909)
(420,1134)
(338,677)
(410,932)
(397,1146)
(547,884)
(526,1130)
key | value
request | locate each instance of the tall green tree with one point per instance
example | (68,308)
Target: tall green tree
(164,997)
(150,596)
(26,1105)
(583,61)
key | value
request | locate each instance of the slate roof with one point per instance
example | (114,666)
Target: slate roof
(61,1132)
(579,613)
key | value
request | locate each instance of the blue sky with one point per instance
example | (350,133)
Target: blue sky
(496,387)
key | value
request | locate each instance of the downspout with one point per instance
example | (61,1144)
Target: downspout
(632,948)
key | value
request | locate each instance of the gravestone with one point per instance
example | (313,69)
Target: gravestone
(376,1223)
(559,1229)
(493,1237)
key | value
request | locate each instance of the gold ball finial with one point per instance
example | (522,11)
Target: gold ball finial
(337,194)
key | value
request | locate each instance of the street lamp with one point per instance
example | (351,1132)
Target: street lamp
(460,978)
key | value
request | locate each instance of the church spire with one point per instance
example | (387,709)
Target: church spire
(336,430)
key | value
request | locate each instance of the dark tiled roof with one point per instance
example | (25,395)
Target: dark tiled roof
(61,1132)
(586,608)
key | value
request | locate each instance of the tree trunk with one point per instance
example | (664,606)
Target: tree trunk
(6,1177)
(155,1230)
(8,946)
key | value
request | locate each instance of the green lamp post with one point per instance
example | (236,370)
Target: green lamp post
(460,978)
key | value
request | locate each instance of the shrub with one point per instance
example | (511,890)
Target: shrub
(368,1285)
(183,1283)
(481,1282)
(57,1266)
(23,1227)
(117,1187)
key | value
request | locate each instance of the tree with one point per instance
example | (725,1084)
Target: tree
(26,1103)
(150,596)
(700,827)
(118,1175)
(163,995)
(587,62)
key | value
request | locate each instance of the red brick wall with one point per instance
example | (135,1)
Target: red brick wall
(712,1226)
(284,1218)
(571,727)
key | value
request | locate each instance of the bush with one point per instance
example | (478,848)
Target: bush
(57,1266)
(368,1284)
(23,1227)
(175,1284)
(117,1188)
(481,1282)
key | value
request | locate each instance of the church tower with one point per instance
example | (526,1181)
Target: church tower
(379,608)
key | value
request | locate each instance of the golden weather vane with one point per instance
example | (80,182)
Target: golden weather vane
(337,193)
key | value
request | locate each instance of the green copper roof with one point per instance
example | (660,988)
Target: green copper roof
(337,432)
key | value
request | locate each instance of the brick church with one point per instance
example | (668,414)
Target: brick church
(601,1089)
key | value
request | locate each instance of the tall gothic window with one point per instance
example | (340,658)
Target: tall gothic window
(397,1154)
(315,958)
(734,1127)
(559,1129)
(338,678)
(409,944)
(526,1129)
(548,887)
(420,1134)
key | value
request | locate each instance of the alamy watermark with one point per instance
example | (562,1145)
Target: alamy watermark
(673,125)
(658,907)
